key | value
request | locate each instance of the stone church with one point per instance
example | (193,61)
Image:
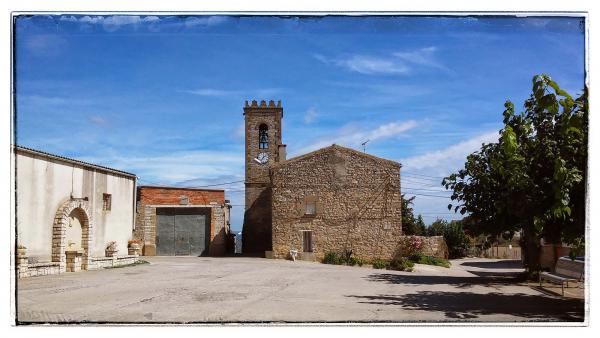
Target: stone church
(331,199)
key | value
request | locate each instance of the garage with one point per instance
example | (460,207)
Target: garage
(182,231)
(176,221)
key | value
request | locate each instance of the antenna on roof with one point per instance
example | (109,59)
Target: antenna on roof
(364,144)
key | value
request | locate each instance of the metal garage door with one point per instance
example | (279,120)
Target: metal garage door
(181,231)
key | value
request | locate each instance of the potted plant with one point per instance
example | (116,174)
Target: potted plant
(111,249)
(21,250)
(134,247)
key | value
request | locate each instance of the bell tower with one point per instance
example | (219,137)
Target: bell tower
(263,148)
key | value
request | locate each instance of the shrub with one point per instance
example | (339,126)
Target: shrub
(402,264)
(416,256)
(332,258)
(428,260)
(381,264)
(355,261)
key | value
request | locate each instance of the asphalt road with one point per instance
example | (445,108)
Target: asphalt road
(217,290)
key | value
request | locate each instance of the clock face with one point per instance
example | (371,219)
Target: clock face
(263,158)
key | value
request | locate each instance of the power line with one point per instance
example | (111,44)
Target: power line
(410,193)
(415,174)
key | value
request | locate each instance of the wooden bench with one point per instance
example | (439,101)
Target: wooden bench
(565,271)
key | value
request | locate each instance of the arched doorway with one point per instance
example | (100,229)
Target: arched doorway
(72,222)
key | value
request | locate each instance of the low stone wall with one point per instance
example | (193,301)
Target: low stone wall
(38,269)
(25,269)
(434,246)
(97,263)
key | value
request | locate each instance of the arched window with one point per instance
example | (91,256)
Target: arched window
(263,137)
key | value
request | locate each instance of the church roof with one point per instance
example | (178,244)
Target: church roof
(335,147)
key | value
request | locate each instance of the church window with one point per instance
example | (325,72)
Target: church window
(310,208)
(263,137)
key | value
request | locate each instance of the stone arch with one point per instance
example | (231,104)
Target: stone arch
(81,208)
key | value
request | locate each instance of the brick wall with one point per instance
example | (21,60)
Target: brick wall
(160,196)
(357,200)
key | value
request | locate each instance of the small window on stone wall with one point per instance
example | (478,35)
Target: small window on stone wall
(310,208)
(106,202)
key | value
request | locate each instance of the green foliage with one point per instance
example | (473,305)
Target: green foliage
(401,264)
(416,256)
(332,258)
(410,224)
(380,264)
(534,177)
(577,248)
(419,258)
(454,236)
(355,261)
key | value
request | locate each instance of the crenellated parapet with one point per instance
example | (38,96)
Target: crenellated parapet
(262,104)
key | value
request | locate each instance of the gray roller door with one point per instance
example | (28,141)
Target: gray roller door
(181,231)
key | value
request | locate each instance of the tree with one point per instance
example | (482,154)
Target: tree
(410,224)
(454,236)
(533,178)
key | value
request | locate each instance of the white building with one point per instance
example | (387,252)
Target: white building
(64,204)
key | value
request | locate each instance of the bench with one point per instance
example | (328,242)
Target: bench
(565,271)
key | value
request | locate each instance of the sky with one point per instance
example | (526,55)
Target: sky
(162,96)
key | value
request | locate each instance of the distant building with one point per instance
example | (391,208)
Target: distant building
(63,204)
(175,221)
(332,199)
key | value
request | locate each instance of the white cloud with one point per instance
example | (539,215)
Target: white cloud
(205,21)
(177,166)
(114,22)
(445,161)
(423,57)
(395,64)
(373,65)
(351,136)
(212,92)
(310,116)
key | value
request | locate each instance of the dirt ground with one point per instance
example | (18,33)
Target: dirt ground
(221,290)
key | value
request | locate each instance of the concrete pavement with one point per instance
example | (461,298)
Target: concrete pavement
(215,290)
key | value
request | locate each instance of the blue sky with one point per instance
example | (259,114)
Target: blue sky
(162,96)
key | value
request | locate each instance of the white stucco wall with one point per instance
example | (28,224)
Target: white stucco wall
(43,184)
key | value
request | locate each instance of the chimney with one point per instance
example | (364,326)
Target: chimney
(281,151)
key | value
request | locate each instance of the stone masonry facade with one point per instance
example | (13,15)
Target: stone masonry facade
(149,198)
(257,216)
(346,199)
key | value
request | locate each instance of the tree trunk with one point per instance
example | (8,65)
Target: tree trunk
(531,252)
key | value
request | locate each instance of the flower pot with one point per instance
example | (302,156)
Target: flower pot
(110,253)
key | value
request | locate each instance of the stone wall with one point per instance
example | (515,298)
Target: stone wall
(257,217)
(150,198)
(434,246)
(357,198)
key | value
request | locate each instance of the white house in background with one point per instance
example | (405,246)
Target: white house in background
(64,204)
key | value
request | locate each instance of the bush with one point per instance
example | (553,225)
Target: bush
(402,264)
(355,261)
(381,264)
(332,258)
(416,256)
(428,260)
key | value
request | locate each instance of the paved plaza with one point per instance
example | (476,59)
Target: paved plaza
(215,290)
